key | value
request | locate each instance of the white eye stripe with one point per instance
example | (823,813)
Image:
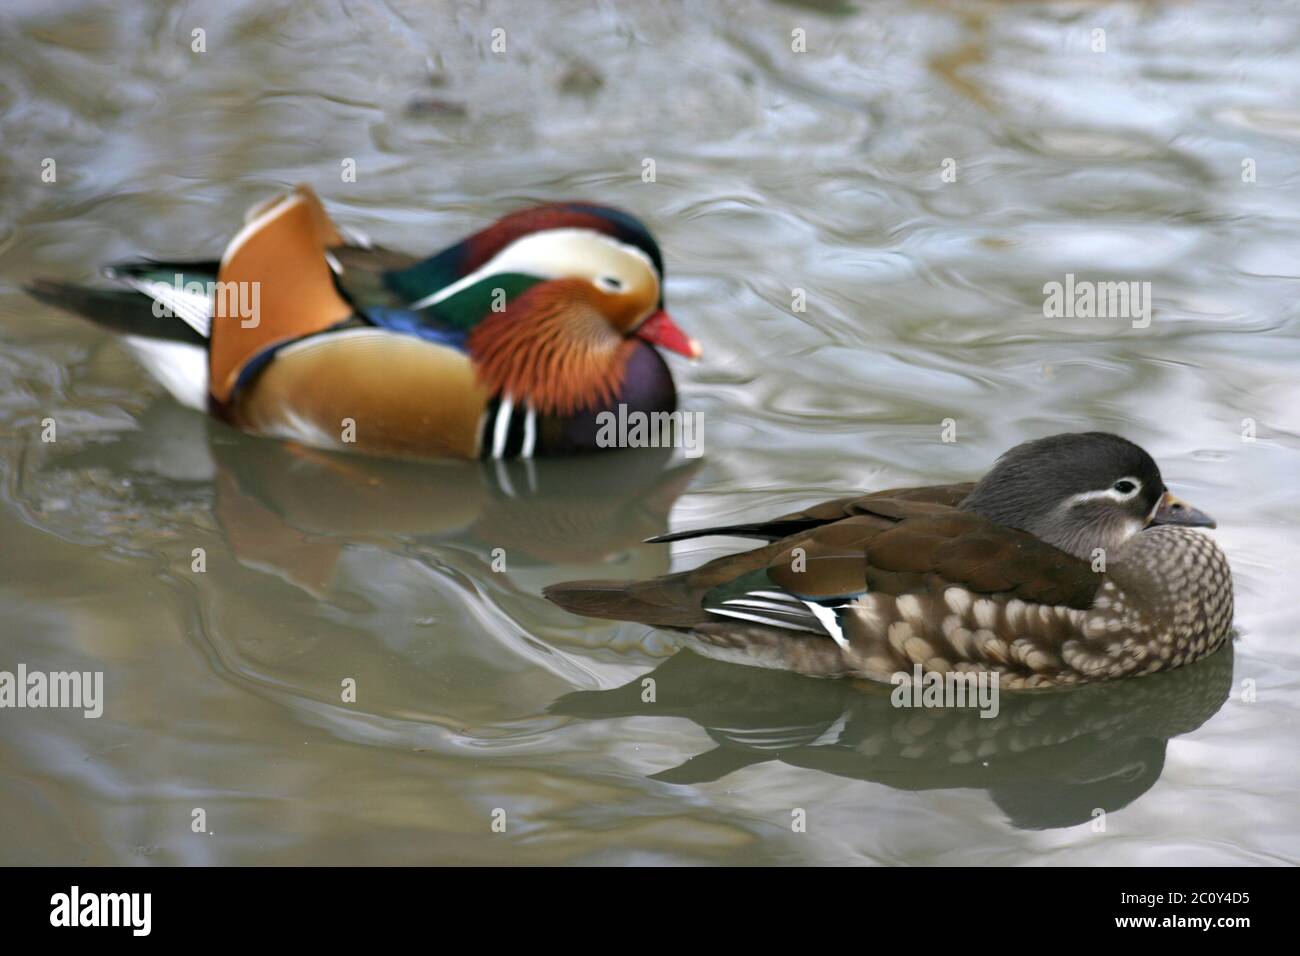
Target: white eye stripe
(1110,493)
(558,253)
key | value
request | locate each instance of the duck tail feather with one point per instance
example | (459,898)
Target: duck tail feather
(122,311)
(659,602)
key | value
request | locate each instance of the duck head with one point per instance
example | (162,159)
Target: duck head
(561,344)
(556,298)
(1080,492)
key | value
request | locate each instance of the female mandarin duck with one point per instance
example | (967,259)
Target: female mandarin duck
(1069,562)
(507,344)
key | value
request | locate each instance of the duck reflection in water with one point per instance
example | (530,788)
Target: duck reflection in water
(291,511)
(1048,759)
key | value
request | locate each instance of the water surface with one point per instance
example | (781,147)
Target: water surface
(775,171)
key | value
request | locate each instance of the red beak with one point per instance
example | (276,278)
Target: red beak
(662,331)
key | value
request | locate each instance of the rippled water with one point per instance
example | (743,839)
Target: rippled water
(775,171)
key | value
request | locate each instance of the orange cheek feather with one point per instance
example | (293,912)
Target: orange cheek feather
(553,348)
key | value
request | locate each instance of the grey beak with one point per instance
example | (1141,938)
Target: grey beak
(1172,510)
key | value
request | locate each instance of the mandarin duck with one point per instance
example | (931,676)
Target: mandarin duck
(1068,562)
(1049,760)
(508,344)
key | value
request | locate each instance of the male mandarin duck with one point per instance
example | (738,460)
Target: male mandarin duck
(508,344)
(1068,562)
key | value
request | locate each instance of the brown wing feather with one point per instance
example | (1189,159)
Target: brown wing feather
(894,544)
(673,600)
(961,548)
(837,509)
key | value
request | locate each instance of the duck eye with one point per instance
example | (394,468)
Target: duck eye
(610,283)
(1124,486)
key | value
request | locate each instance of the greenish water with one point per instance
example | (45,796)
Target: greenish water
(776,171)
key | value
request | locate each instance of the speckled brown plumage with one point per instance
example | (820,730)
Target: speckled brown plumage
(898,579)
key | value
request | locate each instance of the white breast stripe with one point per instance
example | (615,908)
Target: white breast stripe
(530,433)
(501,427)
